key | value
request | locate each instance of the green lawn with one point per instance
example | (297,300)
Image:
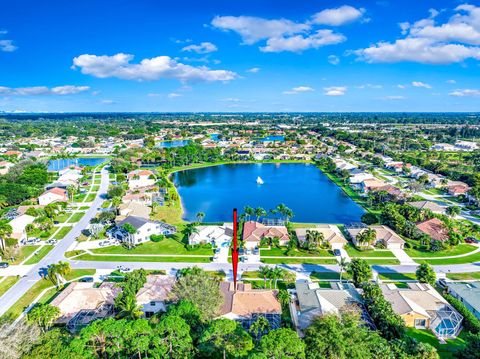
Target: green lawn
(76,217)
(166,246)
(251,274)
(282,251)
(39,255)
(7,283)
(464,276)
(446,351)
(460,260)
(107,258)
(62,217)
(354,252)
(80,197)
(42,234)
(24,252)
(288,260)
(328,275)
(106,204)
(95,188)
(374,261)
(76,252)
(455,251)
(63,232)
(397,276)
(91,197)
(84,208)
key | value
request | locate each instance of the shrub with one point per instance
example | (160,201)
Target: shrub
(369,218)
(157,237)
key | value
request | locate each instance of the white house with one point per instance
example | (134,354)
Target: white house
(53,195)
(152,297)
(216,235)
(140,178)
(144,229)
(18,226)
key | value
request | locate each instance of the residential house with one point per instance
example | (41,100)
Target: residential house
(371,184)
(384,235)
(19,225)
(144,229)
(396,166)
(218,236)
(443,147)
(154,295)
(457,188)
(432,206)
(140,178)
(245,304)
(330,232)
(13,153)
(468,294)
(254,232)
(5,167)
(314,301)
(357,179)
(435,228)
(422,307)
(81,303)
(466,145)
(134,209)
(53,195)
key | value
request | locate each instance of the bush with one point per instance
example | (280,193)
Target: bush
(471,323)
(10,242)
(369,218)
(157,237)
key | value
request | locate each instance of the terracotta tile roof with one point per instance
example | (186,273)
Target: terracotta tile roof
(434,228)
(57,191)
(254,232)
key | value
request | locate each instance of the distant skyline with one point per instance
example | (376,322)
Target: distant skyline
(246,56)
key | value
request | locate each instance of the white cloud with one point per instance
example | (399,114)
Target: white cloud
(451,82)
(339,16)
(300,43)
(465,93)
(394,97)
(370,86)
(333,59)
(203,48)
(108,102)
(421,84)
(230,99)
(153,94)
(401,86)
(298,89)
(119,66)
(7,46)
(43,90)
(431,43)
(335,91)
(254,70)
(174,95)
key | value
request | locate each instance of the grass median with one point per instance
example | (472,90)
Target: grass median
(107,258)
(42,252)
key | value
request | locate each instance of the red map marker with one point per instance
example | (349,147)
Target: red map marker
(235,249)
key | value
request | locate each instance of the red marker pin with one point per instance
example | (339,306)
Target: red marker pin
(235,249)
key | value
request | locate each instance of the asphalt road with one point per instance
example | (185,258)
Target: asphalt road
(56,254)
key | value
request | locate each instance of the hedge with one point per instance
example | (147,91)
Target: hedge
(471,323)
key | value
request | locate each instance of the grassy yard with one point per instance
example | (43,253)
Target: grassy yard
(166,246)
(171,214)
(446,261)
(106,204)
(70,254)
(80,197)
(91,197)
(329,275)
(282,251)
(63,232)
(107,258)
(354,252)
(375,261)
(7,283)
(39,255)
(62,217)
(42,234)
(307,260)
(95,188)
(464,276)
(397,276)
(24,252)
(446,351)
(455,251)
(76,217)
(84,208)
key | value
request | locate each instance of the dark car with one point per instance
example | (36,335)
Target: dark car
(4,264)
(471,240)
(86,279)
(336,252)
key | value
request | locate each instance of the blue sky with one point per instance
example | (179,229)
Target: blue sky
(283,55)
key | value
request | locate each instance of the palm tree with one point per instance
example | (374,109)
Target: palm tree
(189,230)
(249,211)
(200,216)
(276,274)
(283,297)
(260,326)
(128,307)
(343,266)
(5,232)
(264,272)
(72,191)
(260,212)
(57,271)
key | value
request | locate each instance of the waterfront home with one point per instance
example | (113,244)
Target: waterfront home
(144,229)
(218,236)
(154,295)
(134,209)
(314,301)
(53,195)
(244,304)
(384,236)
(19,225)
(330,233)
(140,178)
(357,178)
(422,307)
(432,206)
(435,228)
(36,154)
(81,303)
(468,294)
(368,185)
(254,232)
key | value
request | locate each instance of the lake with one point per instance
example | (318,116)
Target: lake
(302,187)
(60,164)
(175,143)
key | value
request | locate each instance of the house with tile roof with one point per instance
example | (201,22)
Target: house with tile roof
(432,206)
(435,228)
(330,232)
(140,178)
(154,295)
(19,225)
(53,195)
(384,235)
(254,232)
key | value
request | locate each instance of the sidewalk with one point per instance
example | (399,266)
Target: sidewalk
(403,257)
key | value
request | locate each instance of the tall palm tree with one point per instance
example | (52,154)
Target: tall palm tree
(264,272)
(57,271)
(249,211)
(260,212)
(343,266)
(200,216)
(5,232)
(277,273)
(128,307)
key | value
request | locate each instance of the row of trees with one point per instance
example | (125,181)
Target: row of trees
(282,210)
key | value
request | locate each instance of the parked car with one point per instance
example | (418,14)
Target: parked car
(4,264)
(336,252)
(442,283)
(471,240)
(86,280)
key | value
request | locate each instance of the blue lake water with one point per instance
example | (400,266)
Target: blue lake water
(302,187)
(60,164)
(175,143)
